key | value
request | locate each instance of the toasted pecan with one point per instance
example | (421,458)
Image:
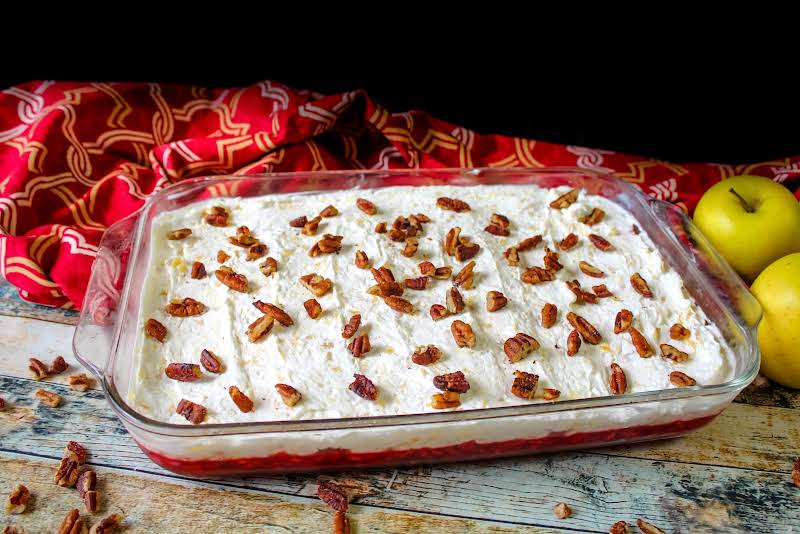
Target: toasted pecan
(289,395)
(313,308)
(242,401)
(495,301)
(600,242)
(678,332)
(187,307)
(316,284)
(537,275)
(617,381)
(594,217)
(352,325)
(640,343)
(623,321)
(48,398)
(17,500)
(565,200)
(454,301)
(216,216)
(446,400)
(232,279)
(569,242)
(466,276)
(519,346)
(682,380)
(210,362)
(359,346)
(417,284)
(587,331)
(639,284)
(672,353)
(438,312)
(366,206)
(462,334)
(329,211)
(549,315)
(573,343)
(269,267)
(590,270)
(193,412)
(455,382)
(362,260)
(452,204)
(260,327)
(524,385)
(277,313)
(364,388)
(399,304)
(183,372)
(426,355)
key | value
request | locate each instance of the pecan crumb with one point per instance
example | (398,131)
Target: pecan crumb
(58,365)
(48,398)
(107,525)
(524,385)
(452,204)
(438,312)
(568,243)
(426,355)
(260,327)
(549,315)
(620,527)
(617,381)
(329,211)
(222,256)
(17,500)
(362,260)
(519,346)
(181,233)
(269,267)
(210,362)
(562,510)
(412,244)
(594,217)
(352,326)
(678,332)
(183,372)
(359,346)
(446,400)
(495,300)
(551,393)
(80,382)
(198,270)
(465,277)
(277,313)
(38,369)
(187,307)
(316,284)
(682,380)
(241,400)
(380,228)
(363,387)
(462,334)
(672,353)
(313,308)
(310,228)
(216,216)
(289,395)
(193,412)
(648,528)
(366,206)
(329,244)
(565,200)
(455,382)
(298,222)
(623,321)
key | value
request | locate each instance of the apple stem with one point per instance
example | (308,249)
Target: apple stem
(747,207)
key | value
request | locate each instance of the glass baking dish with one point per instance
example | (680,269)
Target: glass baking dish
(105,337)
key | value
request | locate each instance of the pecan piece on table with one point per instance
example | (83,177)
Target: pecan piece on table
(183,372)
(289,395)
(438,312)
(519,346)
(193,412)
(462,334)
(495,300)
(623,321)
(155,330)
(620,527)
(352,326)
(17,500)
(107,525)
(298,222)
(562,510)
(359,346)
(48,398)
(617,381)
(310,227)
(537,275)
(465,277)
(316,284)
(524,385)
(678,332)
(332,495)
(329,211)
(329,244)
(363,387)
(640,343)
(672,353)
(80,382)
(260,327)
(549,315)
(398,304)
(187,307)
(648,528)
(455,382)
(242,401)
(87,481)
(222,256)
(565,200)
(362,260)
(682,380)
(412,244)
(366,206)
(588,332)
(210,362)
(569,242)
(67,473)
(57,366)
(341,523)
(590,270)
(551,394)
(581,296)
(313,308)
(277,313)
(417,284)
(600,242)
(216,216)
(180,233)
(72,523)
(38,369)
(91,501)
(452,204)
(573,343)
(796,473)
(426,355)
(76,451)
(594,217)
(640,286)
(602,291)
(446,400)
(198,270)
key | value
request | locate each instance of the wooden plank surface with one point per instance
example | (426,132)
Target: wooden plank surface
(11,304)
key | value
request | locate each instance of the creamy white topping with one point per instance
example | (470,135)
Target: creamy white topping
(312,356)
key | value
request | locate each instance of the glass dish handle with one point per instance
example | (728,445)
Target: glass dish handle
(94,335)
(709,262)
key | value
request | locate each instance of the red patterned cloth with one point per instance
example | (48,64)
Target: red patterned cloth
(75,157)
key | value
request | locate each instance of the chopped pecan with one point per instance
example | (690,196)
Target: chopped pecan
(551,394)
(359,346)
(581,296)
(617,381)
(398,304)
(80,382)
(466,251)
(87,481)
(426,355)
(313,308)
(48,398)
(549,315)
(329,244)
(426,268)
(17,500)
(72,523)
(648,528)
(67,473)
(352,326)
(497,230)
(602,291)
(551,260)
(588,332)
(623,321)
(298,222)
(256,251)
(341,523)
(562,510)
(260,327)
(454,301)
(600,242)
(181,233)
(363,387)
(416,283)
(187,307)
(243,238)
(641,344)
(183,372)
(465,277)
(640,286)
(155,330)
(193,412)
(590,270)
(635,230)
(277,313)
(495,300)
(76,451)
(438,312)
(362,260)
(524,385)
(366,206)
(455,382)
(499,220)
(412,243)
(329,211)
(451,240)
(796,473)
(316,284)
(269,267)
(310,228)
(107,525)
(395,234)
(519,346)
(91,501)
(529,243)
(289,395)
(569,242)
(58,365)
(380,228)
(241,400)
(210,362)
(14,529)
(452,204)
(512,256)
(682,380)
(420,218)
(594,217)
(442,273)
(446,400)
(386,289)
(198,270)
(620,527)
(38,369)
(565,200)
(222,256)
(573,343)
(382,274)
(678,332)
(668,351)
(462,334)
(537,275)
(216,216)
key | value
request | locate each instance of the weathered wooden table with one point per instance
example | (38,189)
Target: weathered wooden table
(733,476)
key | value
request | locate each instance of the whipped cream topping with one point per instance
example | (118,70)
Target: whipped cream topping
(312,356)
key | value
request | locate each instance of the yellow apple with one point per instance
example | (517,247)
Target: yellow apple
(777,288)
(751,220)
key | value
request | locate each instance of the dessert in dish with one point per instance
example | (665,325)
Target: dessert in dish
(406,300)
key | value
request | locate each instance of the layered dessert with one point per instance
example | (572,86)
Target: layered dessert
(408,300)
